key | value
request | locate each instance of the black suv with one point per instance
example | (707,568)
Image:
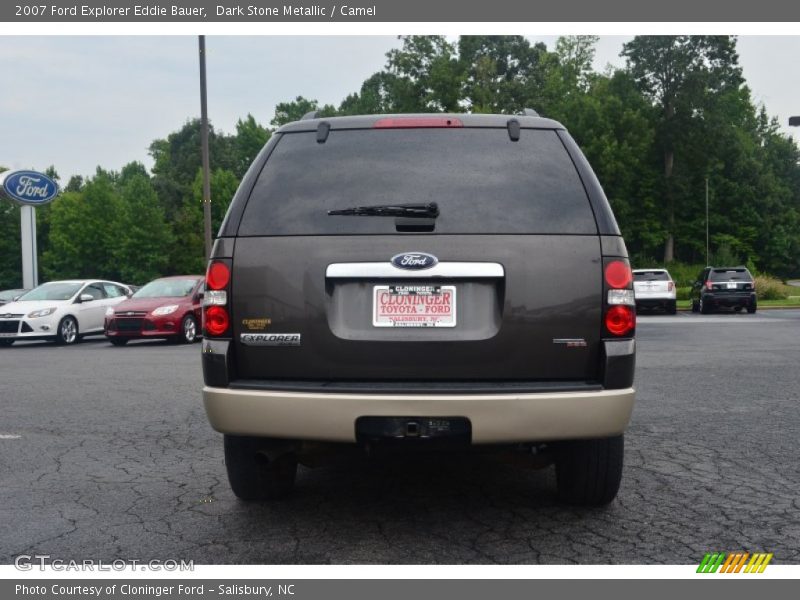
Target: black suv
(417,280)
(731,287)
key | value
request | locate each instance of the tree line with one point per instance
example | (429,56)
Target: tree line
(678,114)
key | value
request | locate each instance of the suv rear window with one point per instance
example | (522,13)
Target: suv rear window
(730,275)
(651,276)
(481,180)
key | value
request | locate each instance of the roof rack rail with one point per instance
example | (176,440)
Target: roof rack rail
(313,114)
(529,112)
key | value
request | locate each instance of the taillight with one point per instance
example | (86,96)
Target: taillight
(620,320)
(670,286)
(620,302)
(709,285)
(406,122)
(216,318)
(218,276)
(618,275)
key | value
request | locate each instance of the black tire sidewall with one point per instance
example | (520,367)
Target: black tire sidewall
(589,472)
(253,480)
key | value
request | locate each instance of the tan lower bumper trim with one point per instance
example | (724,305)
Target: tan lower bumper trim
(496,418)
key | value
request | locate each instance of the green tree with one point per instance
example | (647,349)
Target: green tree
(188,254)
(250,139)
(86,229)
(10,257)
(502,74)
(424,75)
(575,56)
(374,98)
(143,250)
(178,157)
(676,73)
(286,112)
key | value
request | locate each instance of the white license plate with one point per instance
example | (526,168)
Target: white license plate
(731,286)
(414,306)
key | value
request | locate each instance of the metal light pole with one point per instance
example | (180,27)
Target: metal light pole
(204,144)
(707,253)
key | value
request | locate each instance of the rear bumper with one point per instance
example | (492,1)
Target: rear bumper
(495,418)
(648,302)
(654,296)
(733,299)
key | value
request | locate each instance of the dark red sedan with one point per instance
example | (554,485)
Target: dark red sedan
(164,308)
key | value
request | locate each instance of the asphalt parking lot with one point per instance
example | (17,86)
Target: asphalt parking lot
(105,453)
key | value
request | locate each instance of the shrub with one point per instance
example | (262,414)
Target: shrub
(684,275)
(769,288)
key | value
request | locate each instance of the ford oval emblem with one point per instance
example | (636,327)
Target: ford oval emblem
(29,187)
(414,260)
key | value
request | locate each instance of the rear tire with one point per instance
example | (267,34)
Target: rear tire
(752,309)
(695,306)
(672,307)
(257,469)
(589,472)
(704,307)
(115,341)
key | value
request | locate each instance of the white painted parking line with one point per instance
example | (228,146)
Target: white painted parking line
(8,436)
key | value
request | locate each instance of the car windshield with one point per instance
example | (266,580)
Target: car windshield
(730,275)
(167,288)
(10,294)
(56,290)
(651,276)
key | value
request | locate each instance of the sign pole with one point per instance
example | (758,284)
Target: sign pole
(29,189)
(204,148)
(27,222)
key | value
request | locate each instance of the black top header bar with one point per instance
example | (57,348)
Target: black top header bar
(441,11)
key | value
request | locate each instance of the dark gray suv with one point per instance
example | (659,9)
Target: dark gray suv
(420,280)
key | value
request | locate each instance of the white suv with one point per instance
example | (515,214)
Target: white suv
(654,288)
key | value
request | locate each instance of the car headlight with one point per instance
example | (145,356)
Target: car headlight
(110,311)
(43,312)
(165,310)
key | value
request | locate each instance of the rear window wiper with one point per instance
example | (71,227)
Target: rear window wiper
(425,211)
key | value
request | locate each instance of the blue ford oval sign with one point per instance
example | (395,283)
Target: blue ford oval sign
(414,260)
(29,187)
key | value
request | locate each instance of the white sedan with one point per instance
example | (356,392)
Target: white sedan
(61,311)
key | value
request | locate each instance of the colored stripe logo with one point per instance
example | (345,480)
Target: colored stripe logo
(734,562)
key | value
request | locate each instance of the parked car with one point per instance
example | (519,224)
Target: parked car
(60,311)
(165,308)
(654,288)
(731,287)
(418,279)
(7,296)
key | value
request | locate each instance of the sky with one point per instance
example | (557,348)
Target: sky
(77,102)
